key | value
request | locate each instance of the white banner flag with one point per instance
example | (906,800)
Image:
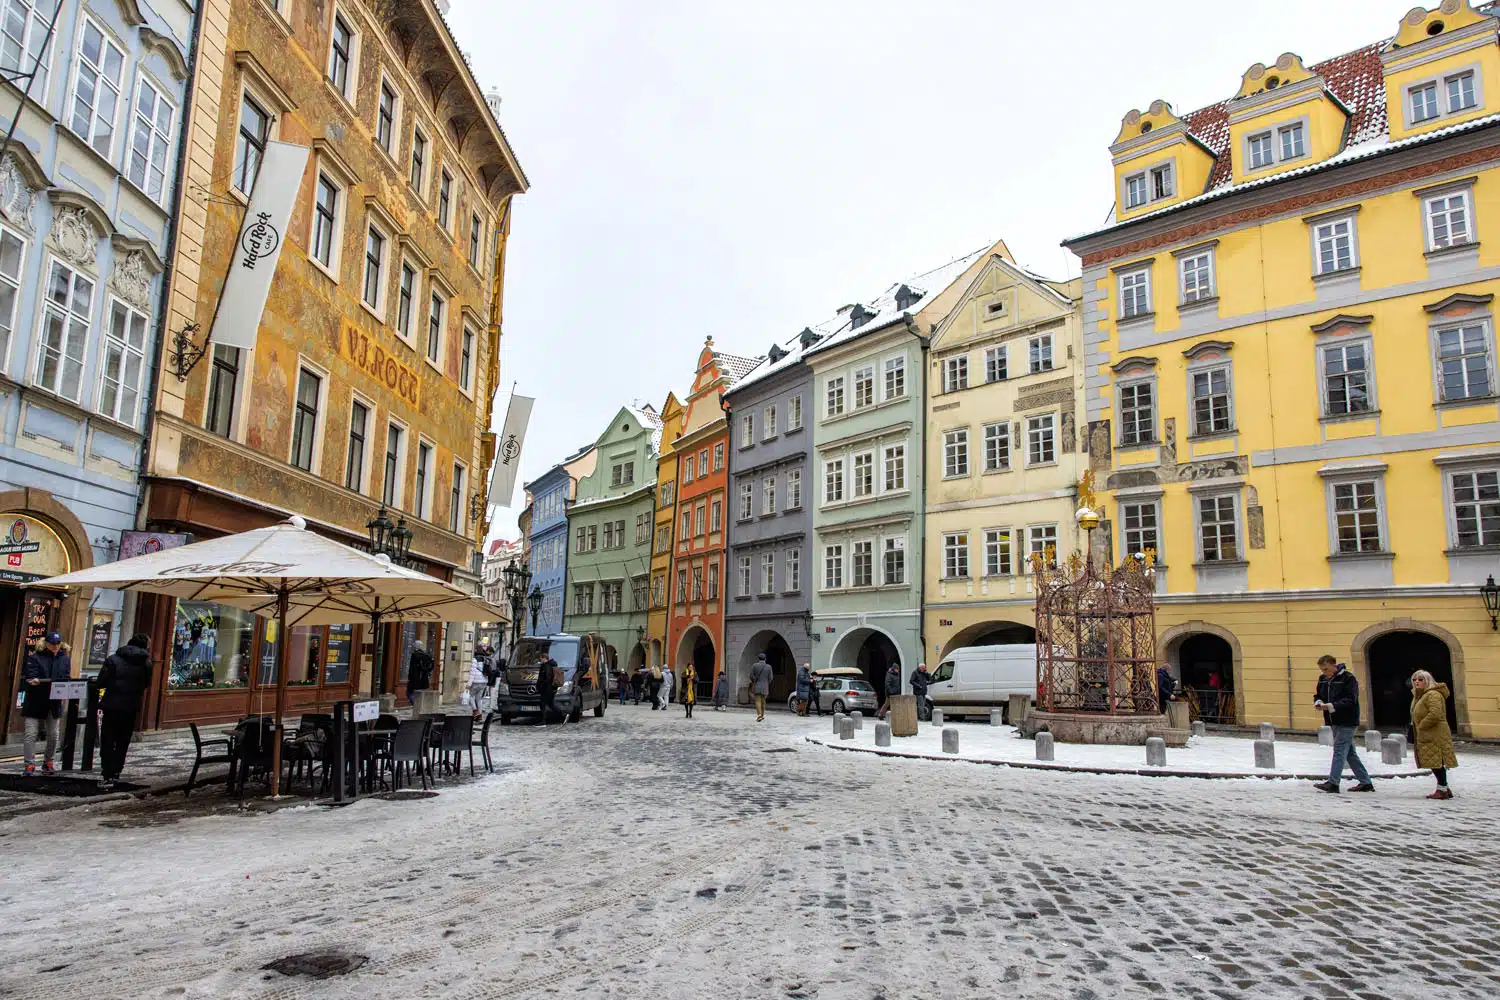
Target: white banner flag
(258,248)
(508,455)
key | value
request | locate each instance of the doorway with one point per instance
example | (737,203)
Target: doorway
(697,645)
(1205,674)
(872,652)
(1392,659)
(25,618)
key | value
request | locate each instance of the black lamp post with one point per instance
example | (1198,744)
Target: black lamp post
(393,541)
(534,602)
(1491,594)
(517,580)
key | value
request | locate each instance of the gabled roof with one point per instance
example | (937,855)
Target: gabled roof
(735,366)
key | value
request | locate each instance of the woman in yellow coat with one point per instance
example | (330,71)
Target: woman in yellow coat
(689,688)
(1429,717)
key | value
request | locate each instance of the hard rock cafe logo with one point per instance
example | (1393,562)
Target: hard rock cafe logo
(18,532)
(260,239)
(510,450)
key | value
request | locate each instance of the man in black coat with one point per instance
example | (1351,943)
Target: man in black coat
(123,682)
(920,679)
(418,671)
(1338,699)
(546,686)
(892,688)
(1166,686)
(47,663)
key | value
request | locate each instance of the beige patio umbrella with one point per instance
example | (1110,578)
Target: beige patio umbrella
(274,570)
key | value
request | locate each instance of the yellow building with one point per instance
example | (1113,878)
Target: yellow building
(1290,387)
(1003,451)
(661,548)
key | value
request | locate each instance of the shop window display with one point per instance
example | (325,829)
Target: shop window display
(210,647)
(306,655)
(340,652)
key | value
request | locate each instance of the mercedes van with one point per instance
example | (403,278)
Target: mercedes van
(584,660)
(974,679)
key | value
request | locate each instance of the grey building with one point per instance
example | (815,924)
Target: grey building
(769,607)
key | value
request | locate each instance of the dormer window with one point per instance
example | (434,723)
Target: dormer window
(1430,100)
(1278,144)
(906,297)
(1424,102)
(1461,91)
(1261,154)
(1293,141)
(859,316)
(1161,182)
(1135,191)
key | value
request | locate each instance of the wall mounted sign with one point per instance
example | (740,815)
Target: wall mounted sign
(356,346)
(32,550)
(143,543)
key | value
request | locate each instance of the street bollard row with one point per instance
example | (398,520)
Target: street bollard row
(846,728)
(1156,752)
(950,739)
(859,720)
(1265,753)
(937,716)
(1372,740)
(1390,750)
(1044,746)
(882,734)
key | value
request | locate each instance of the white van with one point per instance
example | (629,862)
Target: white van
(974,679)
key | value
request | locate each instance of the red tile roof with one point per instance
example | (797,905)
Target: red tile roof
(1355,78)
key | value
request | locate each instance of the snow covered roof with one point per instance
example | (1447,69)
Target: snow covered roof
(646,415)
(735,366)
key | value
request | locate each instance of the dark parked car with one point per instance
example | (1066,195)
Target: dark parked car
(584,661)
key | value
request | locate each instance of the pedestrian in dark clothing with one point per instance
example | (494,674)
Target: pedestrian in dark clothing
(760,685)
(653,688)
(418,671)
(546,686)
(47,663)
(1166,686)
(1338,700)
(123,682)
(892,688)
(637,683)
(920,679)
(624,684)
(721,692)
(804,688)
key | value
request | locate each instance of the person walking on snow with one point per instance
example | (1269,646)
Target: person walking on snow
(546,686)
(418,671)
(892,688)
(1338,700)
(804,688)
(760,685)
(1429,720)
(123,681)
(667,683)
(47,663)
(1166,686)
(721,691)
(479,684)
(653,688)
(689,689)
(920,679)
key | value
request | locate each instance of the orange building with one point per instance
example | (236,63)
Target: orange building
(695,619)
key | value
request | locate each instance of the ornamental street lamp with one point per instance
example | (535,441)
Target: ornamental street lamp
(394,542)
(535,603)
(1491,594)
(517,580)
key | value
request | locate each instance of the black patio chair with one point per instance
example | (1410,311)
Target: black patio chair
(255,746)
(207,751)
(306,753)
(408,748)
(483,743)
(457,736)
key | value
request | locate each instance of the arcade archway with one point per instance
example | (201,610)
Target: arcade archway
(697,647)
(991,633)
(872,651)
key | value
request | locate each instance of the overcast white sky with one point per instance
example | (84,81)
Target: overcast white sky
(742,170)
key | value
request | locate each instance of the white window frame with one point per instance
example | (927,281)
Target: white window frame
(1451,504)
(867,460)
(792,575)
(468,348)
(996,364)
(407,333)
(1476,81)
(1237,521)
(1353,480)
(1039,536)
(1153,504)
(12,284)
(320,419)
(1486,323)
(768,422)
(351,69)
(835,400)
(747,501)
(794,489)
(336,233)
(1128,190)
(1039,354)
(994,567)
(1342,344)
(833,481)
(1041,427)
(446,201)
(794,414)
(1207,368)
(1205,289)
(35,27)
(46,307)
(456,521)
(475,254)
(996,431)
(156,139)
(1295,131)
(1325,227)
(893,545)
(1149,437)
(1431,200)
(397,493)
(956,373)
(893,378)
(862,549)
(436,295)
(254,96)
(864,387)
(1155,176)
(956,453)
(745,590)
(424,509)
(833,567)
(768,496)
(108,339)
(1257,143)
(420,187)
(108,40)
(1133,305)
(747,430)
(956,555)
(893,467)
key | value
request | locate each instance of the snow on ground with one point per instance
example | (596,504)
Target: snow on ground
(1205,756)
(645,856)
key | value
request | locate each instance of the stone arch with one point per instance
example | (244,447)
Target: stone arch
(1359,663)
(783,660)
(1007,630)
(698,646)
(1168,642)
(654,656)
(846,653)
(70,530)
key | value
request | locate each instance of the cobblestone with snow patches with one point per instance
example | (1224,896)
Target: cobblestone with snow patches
(645,855)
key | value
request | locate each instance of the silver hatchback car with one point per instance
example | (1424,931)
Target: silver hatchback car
(842,694)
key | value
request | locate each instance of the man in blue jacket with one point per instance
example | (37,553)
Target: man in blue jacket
(47,663)
(1338,700)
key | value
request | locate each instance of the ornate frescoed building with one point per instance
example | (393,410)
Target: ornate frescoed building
(88,189)
(664,530)
(370,382)
(867,417)
(1290,384)
(610,527)
(695,622)
(1003,454)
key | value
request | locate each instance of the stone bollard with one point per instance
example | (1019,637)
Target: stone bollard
(1401,738)
(882,734)
(1156,752)
(937,716)
(859,719)
(837,719)
(1199,729)
(1372,741)
(1265,753)
(1390,751)
(1268,732)
(950,739)
(1325,736)
(846,728)
(997,716)
(1044,746)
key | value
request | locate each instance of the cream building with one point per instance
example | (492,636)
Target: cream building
(1004,452)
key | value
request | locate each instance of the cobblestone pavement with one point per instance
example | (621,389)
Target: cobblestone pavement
(649,856)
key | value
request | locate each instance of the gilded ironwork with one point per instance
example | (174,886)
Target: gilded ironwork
(1096,637)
